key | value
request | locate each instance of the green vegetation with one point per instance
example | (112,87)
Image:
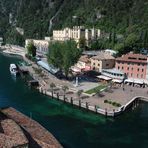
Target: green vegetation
(65,88)
(37,70)
(52,86)
(63,55)
(31,49)
(79,93)
(123,23)
(96,89)
(113,103)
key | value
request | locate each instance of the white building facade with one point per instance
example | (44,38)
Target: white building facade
(42,46)
(76,33)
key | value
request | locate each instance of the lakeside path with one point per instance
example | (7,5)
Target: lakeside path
(93,103)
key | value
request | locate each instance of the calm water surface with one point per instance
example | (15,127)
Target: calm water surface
(73,128)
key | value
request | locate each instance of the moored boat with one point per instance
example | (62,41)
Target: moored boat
(13,69)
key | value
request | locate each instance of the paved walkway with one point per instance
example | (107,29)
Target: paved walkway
(115,94)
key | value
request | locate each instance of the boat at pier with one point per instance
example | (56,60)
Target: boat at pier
(13,69)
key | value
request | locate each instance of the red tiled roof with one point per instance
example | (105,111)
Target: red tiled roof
(85,59)
(131,57)
(103,56)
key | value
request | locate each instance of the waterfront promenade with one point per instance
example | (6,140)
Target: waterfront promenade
(94,103)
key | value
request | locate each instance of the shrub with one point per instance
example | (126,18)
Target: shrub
(105,101)
(116,104)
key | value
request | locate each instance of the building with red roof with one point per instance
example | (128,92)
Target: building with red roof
(133,65)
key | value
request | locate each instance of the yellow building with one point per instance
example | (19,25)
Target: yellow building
(76,33)
(102,61)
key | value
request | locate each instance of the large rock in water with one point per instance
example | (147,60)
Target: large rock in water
(37,135)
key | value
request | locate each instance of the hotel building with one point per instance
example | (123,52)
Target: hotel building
(102,61)
(76,33)
(133,65)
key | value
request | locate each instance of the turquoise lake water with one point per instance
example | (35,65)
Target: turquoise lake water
(72,127)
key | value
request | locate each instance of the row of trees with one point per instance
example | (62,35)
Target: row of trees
(132,41)
(63,55)
(65,89)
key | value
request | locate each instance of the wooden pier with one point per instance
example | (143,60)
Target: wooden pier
(33,83)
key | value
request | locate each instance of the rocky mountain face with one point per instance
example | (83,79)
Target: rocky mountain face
(37,18)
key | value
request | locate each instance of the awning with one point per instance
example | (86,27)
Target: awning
(135,81)
(146,82)
(104,77)
(87,68)
(75,69)
(129,80)
(138,81)
(48,67)
(117,81)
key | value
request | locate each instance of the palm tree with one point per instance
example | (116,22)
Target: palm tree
(79,93)
(98,93)
(65,88)
(52,86)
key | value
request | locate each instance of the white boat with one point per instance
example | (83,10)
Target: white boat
(13,69)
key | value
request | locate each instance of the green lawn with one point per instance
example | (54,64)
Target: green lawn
(96,89)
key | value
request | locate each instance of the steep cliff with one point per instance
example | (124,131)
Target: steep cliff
(39,17)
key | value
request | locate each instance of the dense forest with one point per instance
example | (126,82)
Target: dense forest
(125,21)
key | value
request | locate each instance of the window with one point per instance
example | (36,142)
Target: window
(127,68)
(107,64)
(132,69)
(122,67)
(142,70)
(98,64)
(118,67)
(137,75)
(138,69)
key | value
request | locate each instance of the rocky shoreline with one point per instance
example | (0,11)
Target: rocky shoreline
(37,135)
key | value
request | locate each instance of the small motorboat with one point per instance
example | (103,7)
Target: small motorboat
(14,69)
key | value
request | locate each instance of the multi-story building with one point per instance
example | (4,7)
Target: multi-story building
(76,33)
(133,65)
(102,61)
(84,63)
(41,45)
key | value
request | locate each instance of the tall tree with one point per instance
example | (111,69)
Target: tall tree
(63,55)
(31,49)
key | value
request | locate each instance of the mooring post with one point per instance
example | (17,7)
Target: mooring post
(52,94)
(113,112)
(64,98)
(87,106)
(71,100)
(79,103)
(106,112)
(58,96)
(95,108)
